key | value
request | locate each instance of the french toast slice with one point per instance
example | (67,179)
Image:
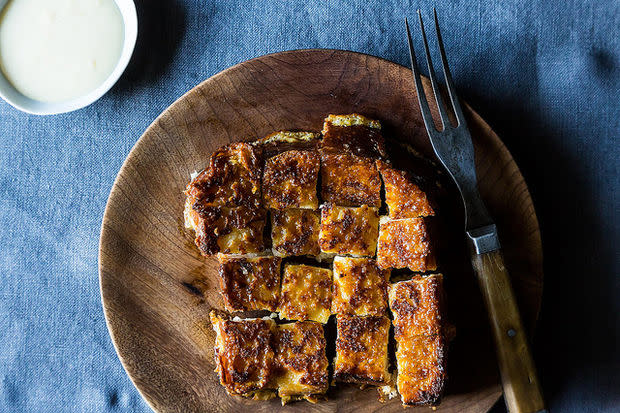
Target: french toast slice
(236,230)
(350,180)
(306,293)
(405,243)
(360,287)
(231,179)
(417,305)
(300,362)
(362,350)
(349,230)
(249,283)
(403,197)
(290,180)
(354,134)
(295,232)
(244,356)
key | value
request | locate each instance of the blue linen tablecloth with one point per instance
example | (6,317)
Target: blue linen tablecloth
(546,75)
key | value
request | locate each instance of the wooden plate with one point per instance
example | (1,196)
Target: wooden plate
(157,290)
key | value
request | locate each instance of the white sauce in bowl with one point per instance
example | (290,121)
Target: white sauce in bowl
(57,50)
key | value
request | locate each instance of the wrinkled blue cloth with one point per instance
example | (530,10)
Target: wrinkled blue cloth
(546,75)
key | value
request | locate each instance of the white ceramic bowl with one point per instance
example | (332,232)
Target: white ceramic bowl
(26,104)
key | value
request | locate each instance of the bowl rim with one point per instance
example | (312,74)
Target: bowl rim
(21,102)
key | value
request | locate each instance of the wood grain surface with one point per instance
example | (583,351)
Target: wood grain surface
(157,290)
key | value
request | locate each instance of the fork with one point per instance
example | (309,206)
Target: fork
(453,146)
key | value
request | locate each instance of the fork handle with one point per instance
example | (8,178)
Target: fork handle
(522,391)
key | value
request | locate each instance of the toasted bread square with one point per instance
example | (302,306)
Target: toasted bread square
(354,134)
(362,349)
(300,363)
(421,367)
(250,283)
(295,232)
(290,180)
(416,305)
(283,141)
(306,293)
(236,230)
(405,243)
(360,287)
(403,198)
(231,179)
(243,353)
(349,231)
(350,180)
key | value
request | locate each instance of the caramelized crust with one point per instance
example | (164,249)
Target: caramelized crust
(349,231)
(405,243)
(353,119)
(417,305)
(290,180)
(295,232)
(354,134)
(231,179)
(360,287)
(227,230)
(250,283)
(306,293)
(362,350)
(403,198)
(283,141)
(243,353)
(350,180)
(300,363)
(421,368)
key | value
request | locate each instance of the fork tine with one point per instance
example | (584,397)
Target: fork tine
(426,112)
(443,113)
(448,77)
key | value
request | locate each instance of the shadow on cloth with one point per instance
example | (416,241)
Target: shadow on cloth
(161,26)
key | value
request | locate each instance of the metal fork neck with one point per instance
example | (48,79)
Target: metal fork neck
(484,239)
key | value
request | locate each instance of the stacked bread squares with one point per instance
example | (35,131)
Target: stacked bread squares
(294,221)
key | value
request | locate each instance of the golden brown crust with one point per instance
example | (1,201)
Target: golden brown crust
(300,363)
(243,353)
(417,305)
(362,349)
(250,283)
(229,230)
(349,180)
(283,141)
(353,134)
(421,369)
(231,179)
(290,180)
(295,232)
(349,231)
(403,198)
(360,287)
(306,293)
(405,243)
